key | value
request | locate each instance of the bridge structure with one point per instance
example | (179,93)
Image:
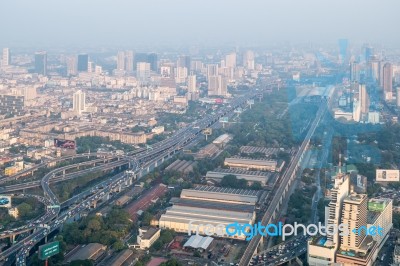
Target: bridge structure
(140,163)
(281,193)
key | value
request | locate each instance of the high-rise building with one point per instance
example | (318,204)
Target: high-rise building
(357,247)
(121,61)
(79,102)
(184,61)
(41,63)
(339,192)
(369,52)
(354,215)
(91,67)
(181,74)
(143,71)
(354,72)
(212,70)
(387,81)
(380,214)
(363,98)
(373,68)
(398,96)
(192,83)
(152,59)
(217,86)
(248,60)
(322,249)
(11,105)
(71,66)
(83,61)
(6,59)
(230,60)
(129,61)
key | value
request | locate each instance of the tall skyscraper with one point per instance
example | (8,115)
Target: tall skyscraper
(41,63)
(83,60)
(212,70)
(121,61)
(153,61)
(181,74)
(6,59)
(192,83)
(369,52)
(373,68)
(217,86)
(91,67)
(338,193)
(79,102)
(71,66)
(230,60)
(129,61)
(387,81)
(184,61)
(354,215)
(354,72)
(143,71)
(398,96)
(248,60)
(363,98)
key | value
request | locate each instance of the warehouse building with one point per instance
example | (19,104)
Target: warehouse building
(254,164)
(264,178)
(202,206)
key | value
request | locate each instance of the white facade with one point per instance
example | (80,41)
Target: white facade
(6,59)
(143,71)
(192,86)
(79,102)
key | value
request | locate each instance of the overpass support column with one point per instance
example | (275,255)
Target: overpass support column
(12,239)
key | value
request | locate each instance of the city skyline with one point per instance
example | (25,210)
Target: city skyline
(100,23)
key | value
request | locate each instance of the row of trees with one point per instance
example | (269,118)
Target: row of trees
(107,230)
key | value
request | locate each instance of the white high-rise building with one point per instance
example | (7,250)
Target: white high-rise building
(181,74)
(217,86)
(121,61)
(72,66)
(143,71)
(356,110)
(129,61)
(212,70)
(79,102)
(354,215)
(398,96)
(192,83)
(363,98)
(6,59)
(321,251)
(248,60)
(380,213)
(230,60)
(91,67)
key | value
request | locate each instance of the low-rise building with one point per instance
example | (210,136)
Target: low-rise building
(254,164)
(90,251)
(147,236)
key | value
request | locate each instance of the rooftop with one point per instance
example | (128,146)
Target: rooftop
(243,192)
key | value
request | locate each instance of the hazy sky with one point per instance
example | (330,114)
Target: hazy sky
(244,22)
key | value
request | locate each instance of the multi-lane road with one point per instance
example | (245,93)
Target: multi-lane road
(286,179)
(139,162)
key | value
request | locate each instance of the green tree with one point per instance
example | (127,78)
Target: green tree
(24,210)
